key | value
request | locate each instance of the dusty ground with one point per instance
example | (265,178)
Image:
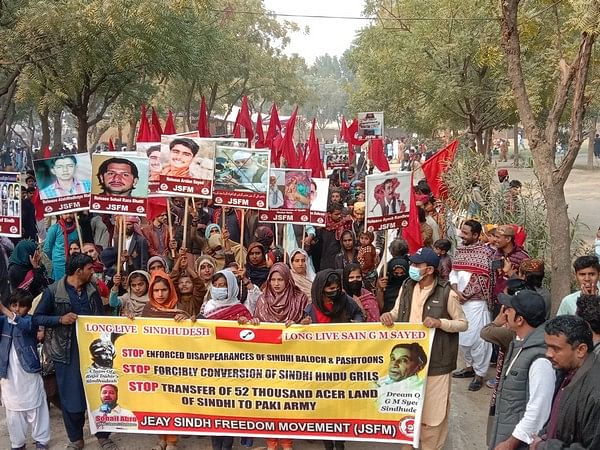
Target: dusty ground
(469,410)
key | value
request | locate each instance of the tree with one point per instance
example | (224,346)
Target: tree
(567,53)
(444,71)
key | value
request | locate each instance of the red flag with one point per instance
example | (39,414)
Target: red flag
(46,153)
(287,148)
(260,134)
(155,206)
(203,128)
(273,139)
(155,127)
(313,160)
(144,130)
(170,124)
(111,146)
(435,166)
(243,120)
(412,233)
(343,130)
(377,156)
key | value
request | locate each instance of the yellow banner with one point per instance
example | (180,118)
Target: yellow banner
(340,381)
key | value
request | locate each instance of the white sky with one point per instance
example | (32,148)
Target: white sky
(331,36)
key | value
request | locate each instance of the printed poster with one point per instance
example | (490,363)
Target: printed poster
(370,125)
(120,183)
(10,204)
(289,196)
(64,182)
(336,156)
(387,200)
(319,194)
(241,177)
(219,378)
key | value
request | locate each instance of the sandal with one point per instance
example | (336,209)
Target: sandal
(107,444)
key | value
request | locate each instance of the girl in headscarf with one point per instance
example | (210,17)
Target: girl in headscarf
(206,267)
(256,264)
(25,269)
(353,286)
(282,302)
(190,287)
(349,252)
(224,250)
(224,303)
(136,298)
(162,303)
(329,303)
(157,263)
(211,229)
(302,271)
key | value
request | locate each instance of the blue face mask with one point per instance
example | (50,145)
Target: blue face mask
(218,293)
(415,273)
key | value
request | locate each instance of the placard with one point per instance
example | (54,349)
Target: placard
(10,204)
(219,378)
(289,196)
(241,177)
(370,125)
(120,184)
(319,195)
(64,182)
(336,156)
(387,200)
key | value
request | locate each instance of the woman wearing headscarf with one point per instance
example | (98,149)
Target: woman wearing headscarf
(256,264)
(206,266)
(224,303)
(348,254)
(157,263)
(329,303)
(302,271)
(353,287)
(136,297)
(282,302)
(397,272)
(224,250)
(25,269)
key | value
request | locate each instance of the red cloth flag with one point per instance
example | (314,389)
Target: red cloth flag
(155,127)
(377,156)
(155,206)
(273,138)
(287,148)
(260,134)
(170,124)
(144,130)
(243,120)
(203,128)
(351,139)
(412,233)
(435,166)
(343,130)
(313,160)
(111,146)
(46,153)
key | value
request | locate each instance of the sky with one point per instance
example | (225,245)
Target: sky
(332,36)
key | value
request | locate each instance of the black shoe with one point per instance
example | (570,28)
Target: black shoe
(476,384)
(463,373)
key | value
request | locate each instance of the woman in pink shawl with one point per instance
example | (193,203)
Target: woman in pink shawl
(282,302)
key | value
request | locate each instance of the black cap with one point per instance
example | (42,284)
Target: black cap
(425,255)
(528,304)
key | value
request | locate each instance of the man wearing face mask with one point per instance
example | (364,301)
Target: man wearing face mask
(426,298)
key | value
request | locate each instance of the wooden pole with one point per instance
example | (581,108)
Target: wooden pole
(185,222)
(170,226)
(285,242)
(119,221)
(242,224)
(385,252)
(277,234)
(78,232)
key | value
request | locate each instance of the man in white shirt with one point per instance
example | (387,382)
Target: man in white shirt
(526,387)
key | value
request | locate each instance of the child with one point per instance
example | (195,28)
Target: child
(21,381)
(190,288)
(442,247)
(367,259)
(136,297)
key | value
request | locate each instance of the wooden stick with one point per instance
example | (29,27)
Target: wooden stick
(242,220)
(124,230)
(277,234)
(285,228)
(119,223)
(385,252)
(185,222)
(303,237)
(170,226)
(78,232)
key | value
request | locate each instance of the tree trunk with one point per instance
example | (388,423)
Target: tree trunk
(57,135)
(487,145)
(119,142)
(479,142)
(131,134)
(45,124)
(187,120)
(82,132)
(516,145)
(592,132)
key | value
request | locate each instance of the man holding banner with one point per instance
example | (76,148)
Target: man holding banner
(425,291)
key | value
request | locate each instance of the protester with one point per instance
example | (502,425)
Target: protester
(397,272)
(353,285)
(190,287)
(329,237)
(62,302)
(136,298)
(205,267)
(588,308)
(256,264)
(22,387)
(302,271)
(442,247)
(508,256)
(224,303)
(56,245)
(575,413)
(532,271)
(157,234)
(587,274)
(25,268)
(424,291)
(136,245)
(348,253)
(329,303)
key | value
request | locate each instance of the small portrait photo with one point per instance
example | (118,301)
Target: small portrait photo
(110,407)
(63,176)
(125,175)
(290,189)
(387,194)
(241,169)
(186,157)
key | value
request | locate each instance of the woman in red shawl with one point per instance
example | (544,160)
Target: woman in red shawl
(282,302)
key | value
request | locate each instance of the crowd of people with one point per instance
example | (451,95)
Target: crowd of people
(484,296)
